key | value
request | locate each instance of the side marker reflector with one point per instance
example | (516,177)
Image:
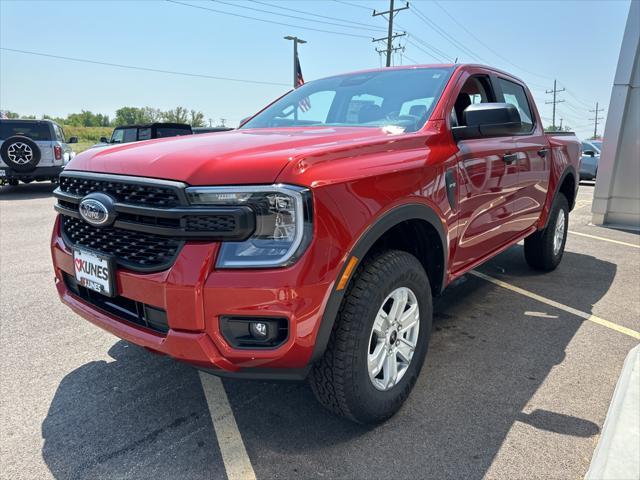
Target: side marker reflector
(353,261)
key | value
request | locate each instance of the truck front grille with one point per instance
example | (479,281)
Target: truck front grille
(135,250)
(127,192)
(152,219)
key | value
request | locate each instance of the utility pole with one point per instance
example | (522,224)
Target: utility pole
(596,119)
(555,91)
(390,35)
(296,41)
(561,119)
(223,122)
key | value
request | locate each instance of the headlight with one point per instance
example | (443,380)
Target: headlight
(283,223)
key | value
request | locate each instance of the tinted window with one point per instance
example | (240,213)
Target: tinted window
(516,96)
(35,131)
(130,135)
(144,134)
(371,99)
(163,132)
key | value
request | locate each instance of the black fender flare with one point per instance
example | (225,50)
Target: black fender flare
(570,170)
(397,215)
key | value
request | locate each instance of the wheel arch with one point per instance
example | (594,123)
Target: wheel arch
(567,184)
(416,217)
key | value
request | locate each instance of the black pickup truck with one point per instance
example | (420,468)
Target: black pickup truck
(136,133)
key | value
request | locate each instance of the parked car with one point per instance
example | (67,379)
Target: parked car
(310,242)
(137,133)
(589,160)
(32,150)
(198,130)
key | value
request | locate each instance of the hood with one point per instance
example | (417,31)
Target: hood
(252,156)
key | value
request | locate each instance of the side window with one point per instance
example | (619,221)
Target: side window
(477,89)
(59,133)
(144,134)
(516,96)
(130,135)
(117,136)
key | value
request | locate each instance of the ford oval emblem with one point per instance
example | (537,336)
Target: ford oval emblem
(97,209)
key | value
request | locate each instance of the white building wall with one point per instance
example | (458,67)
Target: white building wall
(617,194)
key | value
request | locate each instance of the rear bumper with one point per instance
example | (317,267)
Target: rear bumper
(43,173)
(195,296)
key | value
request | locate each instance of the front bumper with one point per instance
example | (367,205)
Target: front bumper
(195,296)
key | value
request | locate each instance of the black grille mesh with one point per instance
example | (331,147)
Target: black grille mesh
(133,249)
(132,193)
(210,223)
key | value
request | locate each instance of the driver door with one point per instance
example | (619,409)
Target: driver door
(487,181)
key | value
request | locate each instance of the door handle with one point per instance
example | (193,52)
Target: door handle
(510,157)
(542,152)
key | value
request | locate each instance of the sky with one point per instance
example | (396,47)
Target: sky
(575,42)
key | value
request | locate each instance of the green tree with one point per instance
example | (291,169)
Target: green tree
(176,115)
(196,119)
(131,116)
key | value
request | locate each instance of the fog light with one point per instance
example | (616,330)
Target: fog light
(259,329)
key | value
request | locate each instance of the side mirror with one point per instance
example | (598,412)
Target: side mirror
(73,140)
(589,153)
(488,120)
(104,140)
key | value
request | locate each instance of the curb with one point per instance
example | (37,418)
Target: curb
(617,456)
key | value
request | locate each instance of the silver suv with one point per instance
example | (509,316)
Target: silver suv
(32,150)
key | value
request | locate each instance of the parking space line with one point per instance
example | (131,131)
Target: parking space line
(587,316)
(234,454)
(604,239)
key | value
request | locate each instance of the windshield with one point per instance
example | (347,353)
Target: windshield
(401,98)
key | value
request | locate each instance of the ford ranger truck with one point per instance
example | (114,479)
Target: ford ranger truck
(310,242)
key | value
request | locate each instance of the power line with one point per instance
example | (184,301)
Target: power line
(296,17)
(410,41)
(267,21)
(390,35)
(369,26)
(352,4)
(146,69)
(479,40)
(443,33)
(439,53)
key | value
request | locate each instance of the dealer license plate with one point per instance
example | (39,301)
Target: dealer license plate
(94,271)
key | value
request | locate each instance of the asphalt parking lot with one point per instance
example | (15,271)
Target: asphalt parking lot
(516,384)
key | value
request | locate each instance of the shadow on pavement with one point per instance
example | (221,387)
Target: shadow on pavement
(139,416)
(143,415)
(27,191)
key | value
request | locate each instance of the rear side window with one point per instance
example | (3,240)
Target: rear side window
(516,96)
(163,132)
(37,131)
(59,133)
(130,135)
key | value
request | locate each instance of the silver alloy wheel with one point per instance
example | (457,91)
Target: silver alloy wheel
(393,338)
(558,234)
(20,153)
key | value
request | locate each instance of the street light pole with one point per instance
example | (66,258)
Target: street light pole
(296,41)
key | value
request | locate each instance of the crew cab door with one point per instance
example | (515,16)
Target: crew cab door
(534,156)
(487,180)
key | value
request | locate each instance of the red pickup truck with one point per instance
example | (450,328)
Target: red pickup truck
(310,242)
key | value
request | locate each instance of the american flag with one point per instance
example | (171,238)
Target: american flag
(304,104)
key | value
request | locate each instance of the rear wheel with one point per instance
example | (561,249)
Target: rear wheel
(379,340)
(543,250)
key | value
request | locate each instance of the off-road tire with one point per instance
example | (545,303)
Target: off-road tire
(340,380)
(538,247)
(20,167)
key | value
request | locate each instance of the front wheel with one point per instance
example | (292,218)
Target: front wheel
(379,341)
(543,250)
